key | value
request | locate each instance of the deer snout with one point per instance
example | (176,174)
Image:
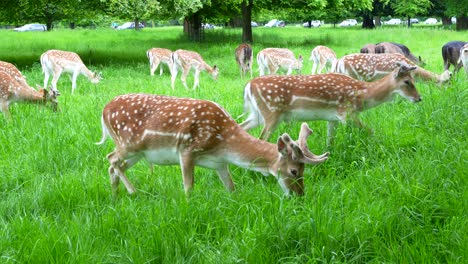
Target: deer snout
(417,99)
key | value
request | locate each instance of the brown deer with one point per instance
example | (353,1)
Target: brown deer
(157,56)
(56,62)
(370,67)
(451,55)
(271,60)
(184,60)
(331,97)
(189,132)
(323,56)
(368,48)
(14,72)
(244,57)
(464,58)
(391,47)
(11,90)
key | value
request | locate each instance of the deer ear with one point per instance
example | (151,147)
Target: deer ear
(282,144)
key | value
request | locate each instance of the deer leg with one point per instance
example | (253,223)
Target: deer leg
(225,177)
(331,131)
(184,77)
(55,79)
(117,170)
(46,78)
(5,109)
(252,121)
(154,65)
(271,122)
(187,165)
(173,74)
(73,79)
(196,76)
(160,69)
(261,69)
(314,68)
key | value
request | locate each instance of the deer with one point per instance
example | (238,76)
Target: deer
(270,60)
(185,60)
(322,56)
(451,55)
(368,48)
(244,57)
(464,58)
(14,72)
(189,132)
(370,67)
(157,56)
(331,97)
(11,90)
(56,62)
(391,47)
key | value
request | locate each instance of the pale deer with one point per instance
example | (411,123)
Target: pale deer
(323,56)
(244,57)
(392,47)
(368,48)
(370,67)
(12,91)
(189,132)
(157,56)
(14,72)
(184,60)
(56,62)
(270,60)
(332,97)
(464,58)
(451,55)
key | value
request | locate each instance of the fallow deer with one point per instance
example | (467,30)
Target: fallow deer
(189,132)
(12,90)
(270,60)
(14,72)
(56,62)
(157,56)
(391,47)
(323,56)
(244,57)
(370,67)
(368,48)
(451,55)
(332,97)
(464,58)
(184,60)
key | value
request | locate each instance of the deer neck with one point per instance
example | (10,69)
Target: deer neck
(28,94)
(378,92)
(86,72)
(426,75)
(206,67)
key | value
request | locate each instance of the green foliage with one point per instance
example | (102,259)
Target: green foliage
(135,10)
(411,8)
(397,196)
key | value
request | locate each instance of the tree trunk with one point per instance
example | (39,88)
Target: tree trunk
(137,24)
(377,20)
(193,28)
(408,21)
(367,21)
(462,22)
(247,36)
(72,25)
(446,21)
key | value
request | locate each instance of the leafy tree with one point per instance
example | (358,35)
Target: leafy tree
(411,8)
(136,10)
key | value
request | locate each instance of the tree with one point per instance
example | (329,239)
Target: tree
(136,10)
(411,8)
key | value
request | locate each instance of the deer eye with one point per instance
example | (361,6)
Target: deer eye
(294,172)
(407,82)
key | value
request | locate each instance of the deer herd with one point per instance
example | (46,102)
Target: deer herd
(167,130)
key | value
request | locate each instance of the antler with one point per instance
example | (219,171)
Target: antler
(309,157)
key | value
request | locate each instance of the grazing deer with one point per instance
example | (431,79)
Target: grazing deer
(157,56)
(332,97)
(12,90)
(323,56)
(14,72)
(185,60)
(368,48)
(169,131)
(370,67)
(464,58)
(56,62)
(391,47)
(451,55)
(244,57)
(270,60)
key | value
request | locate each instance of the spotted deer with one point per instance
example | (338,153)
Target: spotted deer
(184,60)
(332,97)
(391,47)
(56,62)
(370,67)
(244,57)
(322,56)
(451,55)
(157,56)
(270,60)
(14,72)
(464,58)
(189,132)
(11,90)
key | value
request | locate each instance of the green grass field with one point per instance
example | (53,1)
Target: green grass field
(397,196)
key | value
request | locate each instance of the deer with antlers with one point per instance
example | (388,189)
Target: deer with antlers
(271,60)
(56,62)
(244,57)
(157,56)
(169,131)
(323,56)
(331,97)
(184,60)
(11,90)
(370,67)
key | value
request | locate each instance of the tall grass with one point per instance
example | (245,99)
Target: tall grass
(397,196)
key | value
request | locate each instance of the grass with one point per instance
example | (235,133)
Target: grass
(397,196)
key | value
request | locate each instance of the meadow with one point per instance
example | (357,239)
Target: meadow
(398,195)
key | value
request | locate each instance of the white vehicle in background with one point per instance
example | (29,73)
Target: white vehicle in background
(275,23)
(129,25)
(430,21)
(313,23)
(31,27)
(393,21)
(348,23)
